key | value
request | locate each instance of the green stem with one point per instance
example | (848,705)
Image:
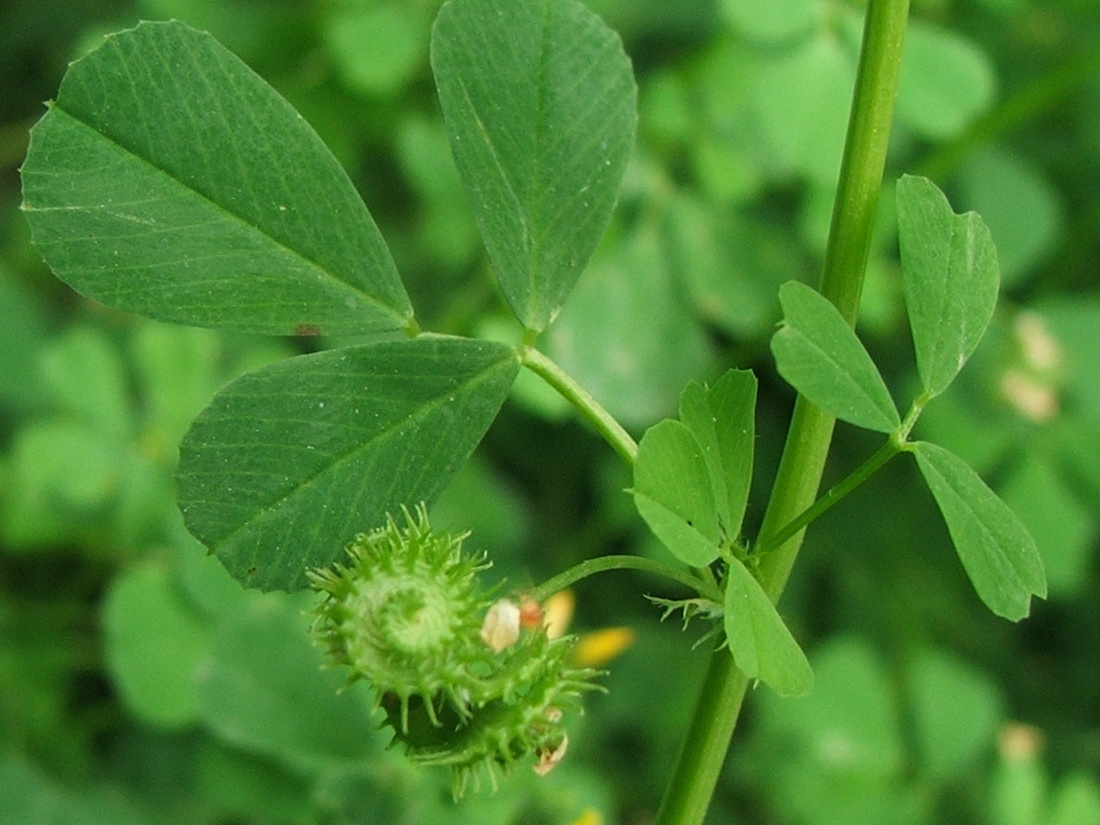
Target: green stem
(897,443)
(835,493)
(601,564)
(578,396)
(803,461)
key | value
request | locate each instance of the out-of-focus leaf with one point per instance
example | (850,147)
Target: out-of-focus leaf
(777,20)
(32,797)
(154,640)
(1022,209)
(262,688)
(61,475)
(616,334)
(377,48)
(732,265)
(801,96)
(957,711)
(1019,782)
(86,377)
(22,335)
(946,82)
(1064,529)
(837,756)
(1076,801)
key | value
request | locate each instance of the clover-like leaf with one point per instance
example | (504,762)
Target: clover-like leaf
(759,640)
(951,277)
(291,461)
(818,354)
(722,420)
(539,101)
(672,491)
(995,548)
(169,180)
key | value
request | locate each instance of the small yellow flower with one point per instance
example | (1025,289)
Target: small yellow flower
(593,649)
(599,647)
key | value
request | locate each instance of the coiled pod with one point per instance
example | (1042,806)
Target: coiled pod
(462,680)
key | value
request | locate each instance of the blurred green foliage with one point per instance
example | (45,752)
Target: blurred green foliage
(136,678)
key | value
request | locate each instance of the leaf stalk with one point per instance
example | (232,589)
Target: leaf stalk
(592,411)
(600,564)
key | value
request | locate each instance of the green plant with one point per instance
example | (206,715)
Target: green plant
(239,218)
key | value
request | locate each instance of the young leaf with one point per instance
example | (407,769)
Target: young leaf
(539,101)
(722,420)
(949,266)
(169,180)
(289,462)
(821,357)
(998,553)
(672,492)
(759,640)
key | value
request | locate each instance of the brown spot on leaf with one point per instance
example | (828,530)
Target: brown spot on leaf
(305,330)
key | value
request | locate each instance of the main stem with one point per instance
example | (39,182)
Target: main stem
(799,476)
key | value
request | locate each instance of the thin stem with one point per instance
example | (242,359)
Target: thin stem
(896,443)
(578,396)
(834,494)
(602,564)
(807,446)
(703,752)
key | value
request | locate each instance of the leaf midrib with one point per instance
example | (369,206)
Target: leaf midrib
(312,264)
(262,512)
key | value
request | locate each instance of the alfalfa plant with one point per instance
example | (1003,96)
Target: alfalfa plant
(168,179)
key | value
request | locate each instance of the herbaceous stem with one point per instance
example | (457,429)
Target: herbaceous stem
(589,407)
(796,484)
(601,564)
(834,495)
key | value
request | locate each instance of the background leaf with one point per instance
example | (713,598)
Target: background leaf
(539,101)
(950,272)
(625,317)
(672,491)
(168,179)
(154,639)
(290,461)
(1021,207)
(945,83)
(820,356)
(263,687)
(956,712)
(998,553)
(722,419)
(761,644)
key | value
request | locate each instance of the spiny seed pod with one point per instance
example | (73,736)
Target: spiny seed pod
(400,611)
(463,680)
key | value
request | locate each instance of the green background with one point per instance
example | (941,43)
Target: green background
(138,683)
